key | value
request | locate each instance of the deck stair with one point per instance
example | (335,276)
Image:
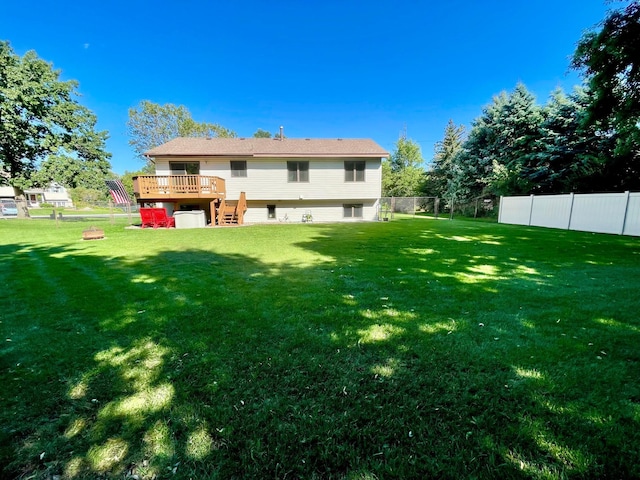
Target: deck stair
(232,213)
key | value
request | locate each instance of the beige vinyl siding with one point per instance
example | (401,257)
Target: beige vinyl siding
(321,211)
(267,178)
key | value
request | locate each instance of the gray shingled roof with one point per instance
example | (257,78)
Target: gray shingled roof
(269,147)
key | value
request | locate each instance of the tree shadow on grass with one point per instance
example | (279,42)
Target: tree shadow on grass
(534,332)
(405,352)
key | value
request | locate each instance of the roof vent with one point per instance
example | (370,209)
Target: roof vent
(307,139)
(339,139)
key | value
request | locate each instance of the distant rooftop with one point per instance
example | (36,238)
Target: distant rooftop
(270,147)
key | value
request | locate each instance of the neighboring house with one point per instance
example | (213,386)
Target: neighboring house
(54,194)
(7,192)
(325,180)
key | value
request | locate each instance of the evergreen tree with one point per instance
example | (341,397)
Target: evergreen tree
(473,166)
(501,147)
(442,176)
(571,154)
(519,125)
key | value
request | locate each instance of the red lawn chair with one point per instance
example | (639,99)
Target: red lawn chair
(146,215)
(161,219)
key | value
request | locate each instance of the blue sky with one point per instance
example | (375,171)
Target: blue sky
(321,69)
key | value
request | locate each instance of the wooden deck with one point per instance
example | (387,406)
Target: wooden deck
(174,187)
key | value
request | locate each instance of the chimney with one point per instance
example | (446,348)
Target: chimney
(281,133)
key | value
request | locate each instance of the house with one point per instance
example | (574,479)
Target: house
(6,192)
(55,194)
(257,180)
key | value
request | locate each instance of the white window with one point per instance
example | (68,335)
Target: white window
(354,171)
(185,168)
(238,168)
(298,171)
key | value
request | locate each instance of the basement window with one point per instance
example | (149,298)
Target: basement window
(352,211)
(271,211)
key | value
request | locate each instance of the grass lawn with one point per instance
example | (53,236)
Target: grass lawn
(35,212)
(414,348)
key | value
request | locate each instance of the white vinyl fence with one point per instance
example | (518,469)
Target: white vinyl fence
(617,213)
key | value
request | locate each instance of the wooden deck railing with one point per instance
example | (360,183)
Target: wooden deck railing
(166,187)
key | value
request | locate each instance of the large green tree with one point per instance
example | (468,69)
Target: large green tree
(40,116)
(610,60)
(571,154)
(501,147)
(442,175)
(518,125)
(68,171)
(151,125)
(403,174)
(474,165)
